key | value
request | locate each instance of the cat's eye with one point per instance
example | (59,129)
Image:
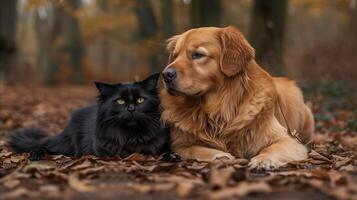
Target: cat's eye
(140,100)
(121,101)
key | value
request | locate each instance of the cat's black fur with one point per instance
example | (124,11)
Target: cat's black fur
(107,128)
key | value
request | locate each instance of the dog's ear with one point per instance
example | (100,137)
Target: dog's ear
(171,44)
(236,51)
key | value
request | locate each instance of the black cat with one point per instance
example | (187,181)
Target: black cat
(125,120)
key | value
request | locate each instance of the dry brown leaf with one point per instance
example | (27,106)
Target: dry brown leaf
(149,168)
(240,190)
(315,155)
(151,188)
(342,162)
(173,178)
(78,185)
(5,154)
(11,183)
(220,177)
(50,190)
(19,192)
(137,157)
(349,168)
(83,165)
(39,166)
(334,177)
(91,170)
(184,188)
(16,159)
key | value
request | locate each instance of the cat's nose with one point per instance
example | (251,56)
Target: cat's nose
(169,75)
(131,108)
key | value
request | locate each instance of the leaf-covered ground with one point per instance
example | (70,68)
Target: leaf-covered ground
(329,173)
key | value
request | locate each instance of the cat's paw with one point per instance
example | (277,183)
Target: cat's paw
(171,157)
(37,155)
(264,162)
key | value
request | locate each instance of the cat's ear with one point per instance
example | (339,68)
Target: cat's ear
(150,82)
(104,89)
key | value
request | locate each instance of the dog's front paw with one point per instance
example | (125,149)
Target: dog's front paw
(223,155)
(264,162)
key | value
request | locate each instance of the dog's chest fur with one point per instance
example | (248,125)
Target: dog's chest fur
(225,120)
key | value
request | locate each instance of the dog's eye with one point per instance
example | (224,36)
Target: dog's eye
(121,101)
(196,55)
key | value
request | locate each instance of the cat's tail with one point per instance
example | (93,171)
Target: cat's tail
(27,140)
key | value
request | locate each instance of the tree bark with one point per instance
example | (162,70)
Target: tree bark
(105,44)
(353,19)
(167,11)
(8,17)
(267,33)
(74,43)
(148,29)
(205,13)
(66,43)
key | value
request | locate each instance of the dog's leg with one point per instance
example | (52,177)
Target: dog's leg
(278,154)
(201,153)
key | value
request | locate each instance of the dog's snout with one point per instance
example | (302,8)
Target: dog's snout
(170,74)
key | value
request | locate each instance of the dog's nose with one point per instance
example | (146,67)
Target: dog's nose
(170,74)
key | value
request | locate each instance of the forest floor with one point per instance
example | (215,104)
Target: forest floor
(330,172)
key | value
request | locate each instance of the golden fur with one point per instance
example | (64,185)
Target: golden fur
(225,105)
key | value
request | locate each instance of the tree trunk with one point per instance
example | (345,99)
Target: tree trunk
(267,33)
(167,11)
(105,44)
(74,44)
(205,13)
(67,46)
(44,29)
(148,29)
(353,19)
(147,22)
(8,17)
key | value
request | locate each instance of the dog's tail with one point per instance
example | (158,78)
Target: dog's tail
(27,140)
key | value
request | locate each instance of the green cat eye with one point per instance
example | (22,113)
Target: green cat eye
(121,101)
(140,100)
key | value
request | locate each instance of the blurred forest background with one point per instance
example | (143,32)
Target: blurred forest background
(71,43)
(75,42)
(51,51)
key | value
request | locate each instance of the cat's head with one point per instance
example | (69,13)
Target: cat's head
(129,104)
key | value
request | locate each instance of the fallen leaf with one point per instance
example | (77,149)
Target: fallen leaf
(50,190)
(220,177)
(342,162)
(315,155)
(83,165)
(19,192)
(151,188)
(240,190)
(78,185)
(146,168)
(5,154)
(12,183)
(184,188)
(39,166)
(349,168)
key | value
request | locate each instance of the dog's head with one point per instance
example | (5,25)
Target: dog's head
(200,59)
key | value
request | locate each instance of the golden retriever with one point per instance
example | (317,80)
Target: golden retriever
(220,103)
